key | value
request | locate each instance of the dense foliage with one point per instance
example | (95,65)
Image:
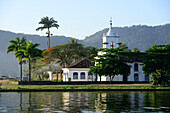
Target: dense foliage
(110,64)
(68,53)
(157,63)
(29,51)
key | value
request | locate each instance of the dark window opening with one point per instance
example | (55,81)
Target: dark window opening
(75,75)
(136,77)
(82,75)
(135,67)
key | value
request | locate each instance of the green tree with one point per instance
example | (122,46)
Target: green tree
(157,63)
(47,24)
(98,69)
(29,52)
(66,54)
(136,50)
(111,63)
(16,44)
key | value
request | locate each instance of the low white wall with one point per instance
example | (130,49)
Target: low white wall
(68,73)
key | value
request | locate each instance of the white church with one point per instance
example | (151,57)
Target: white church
(78,71)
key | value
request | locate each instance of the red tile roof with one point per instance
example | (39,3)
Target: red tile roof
(83,63)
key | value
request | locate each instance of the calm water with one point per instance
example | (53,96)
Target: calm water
(88,102)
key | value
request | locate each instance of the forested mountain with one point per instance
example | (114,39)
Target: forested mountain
(137,36)
(7,63)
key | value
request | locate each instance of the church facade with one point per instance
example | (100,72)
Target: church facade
(78,71)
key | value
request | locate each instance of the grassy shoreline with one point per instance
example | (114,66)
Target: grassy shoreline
(81,88)
(13,86)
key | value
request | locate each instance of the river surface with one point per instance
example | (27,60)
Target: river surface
(86,102)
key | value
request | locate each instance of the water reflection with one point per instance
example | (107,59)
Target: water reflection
(73,102)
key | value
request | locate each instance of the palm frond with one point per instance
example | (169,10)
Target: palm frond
(13,42)
(40,28)
(12,46)
(55,25)
(23,40)
(19,54)
(10,50)
(35,45)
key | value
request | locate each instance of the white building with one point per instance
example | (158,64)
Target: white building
(78,71)
(110,40)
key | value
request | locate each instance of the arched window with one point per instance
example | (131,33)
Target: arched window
(135,67)
(136,77)
(75,75)
(89,75)
(82,75)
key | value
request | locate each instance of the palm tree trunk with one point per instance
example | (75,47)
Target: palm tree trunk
(29,76)
(48,38)
(48,43)
(20,71)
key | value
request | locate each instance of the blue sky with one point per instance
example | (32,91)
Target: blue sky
(81,18)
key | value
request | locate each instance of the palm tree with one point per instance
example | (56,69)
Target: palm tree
(29,52)
(47,24)
(16,44)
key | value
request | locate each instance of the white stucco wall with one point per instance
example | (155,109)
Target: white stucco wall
(140,72)
(68,73)
(109,40)
(107,78)
(141,75)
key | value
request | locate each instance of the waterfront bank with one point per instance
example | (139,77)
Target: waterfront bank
(13,86)
(82,88)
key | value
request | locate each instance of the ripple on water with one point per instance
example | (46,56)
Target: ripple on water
(157,108)
(3,109)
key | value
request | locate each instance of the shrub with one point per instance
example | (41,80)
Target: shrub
(159,78)
(55,80)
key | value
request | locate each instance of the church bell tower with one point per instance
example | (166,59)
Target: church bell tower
(110,39)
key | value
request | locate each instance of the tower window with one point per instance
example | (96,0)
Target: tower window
(112,44)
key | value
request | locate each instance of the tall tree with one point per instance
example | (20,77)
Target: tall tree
(29,52)
(66,54)
(157,63)
(111,63)
(47,24)
(16,44)
(98,69)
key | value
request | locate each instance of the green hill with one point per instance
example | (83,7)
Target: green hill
(139,36)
